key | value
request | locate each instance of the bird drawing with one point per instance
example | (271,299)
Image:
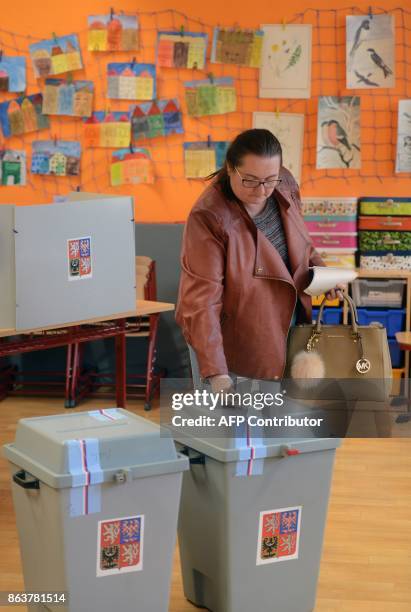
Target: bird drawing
(336,134)
(378,61)
(364,25)
(364,79)
(335,137)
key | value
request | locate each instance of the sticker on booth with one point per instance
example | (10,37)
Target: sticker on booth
(79,258)
(120,545)
(278,535)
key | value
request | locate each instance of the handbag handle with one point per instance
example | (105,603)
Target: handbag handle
(362,365)
(351,306)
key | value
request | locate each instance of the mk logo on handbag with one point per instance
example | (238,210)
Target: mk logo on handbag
(363,366)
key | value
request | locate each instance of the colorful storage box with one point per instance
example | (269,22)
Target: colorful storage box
(375,292)
(384,241)
(345,207)
(334,241)
(392,319)
(385,223)
(340,259)
(331,316)
(385,206)
(331,225)
(385,261)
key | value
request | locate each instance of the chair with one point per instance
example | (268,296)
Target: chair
(138,385)
(147,289)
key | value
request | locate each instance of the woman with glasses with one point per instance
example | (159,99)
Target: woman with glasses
(245,264)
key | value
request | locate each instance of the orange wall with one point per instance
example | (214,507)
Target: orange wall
(170,199)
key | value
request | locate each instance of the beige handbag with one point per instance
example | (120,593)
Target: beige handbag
(333,361)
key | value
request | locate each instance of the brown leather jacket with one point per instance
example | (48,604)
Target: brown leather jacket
(236,296)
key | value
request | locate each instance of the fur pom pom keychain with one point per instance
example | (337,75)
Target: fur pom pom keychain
(307,369)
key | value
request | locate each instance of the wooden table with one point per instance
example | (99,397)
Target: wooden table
(73,334)
(143,308)
(404,340)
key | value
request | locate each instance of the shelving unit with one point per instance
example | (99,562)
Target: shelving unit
(381,224)
(402,372)
(390,274)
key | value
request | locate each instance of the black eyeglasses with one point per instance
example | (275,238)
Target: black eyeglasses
(254,183)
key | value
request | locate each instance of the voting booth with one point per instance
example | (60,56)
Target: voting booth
(66,262)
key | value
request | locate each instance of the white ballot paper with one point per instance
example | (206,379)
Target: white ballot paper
(325,278)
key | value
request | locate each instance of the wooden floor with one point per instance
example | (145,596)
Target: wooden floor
(366,562)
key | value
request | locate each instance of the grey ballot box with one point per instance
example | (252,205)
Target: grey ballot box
(96,497)
(252,517)
(66,262)
(251,531)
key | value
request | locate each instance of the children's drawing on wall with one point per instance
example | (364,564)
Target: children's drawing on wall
(286,61)
(338,132)
(12,167)
(107,129)
(21,115)
(72,98)
(210,96)
(56,157)
(241,47)
(203,158)
(57,55)
(12,73)
(131,166)
(158,118)
(131,81)
(370,51)
(181,49)
(403,159)
(289,129)
(112,32)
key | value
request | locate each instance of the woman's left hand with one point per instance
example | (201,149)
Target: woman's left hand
(335,293)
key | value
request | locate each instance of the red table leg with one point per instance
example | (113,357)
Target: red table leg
(69,365)
(75,372)
(120,341)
